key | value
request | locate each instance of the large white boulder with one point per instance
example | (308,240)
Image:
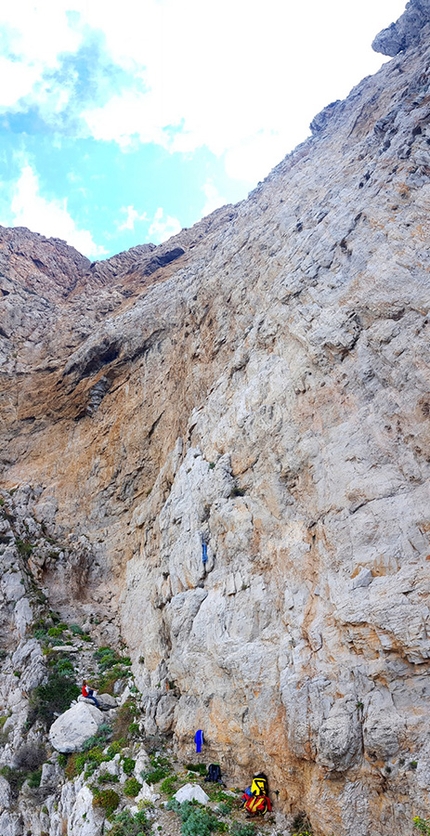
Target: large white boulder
(70,731)
(191,792)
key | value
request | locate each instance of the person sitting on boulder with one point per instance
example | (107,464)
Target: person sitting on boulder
(88,693)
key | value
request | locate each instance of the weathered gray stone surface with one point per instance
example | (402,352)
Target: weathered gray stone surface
(10,824)
(406,32)
(5,794)
(266,393)
(72,729)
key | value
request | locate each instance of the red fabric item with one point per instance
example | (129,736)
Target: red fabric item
(258,804)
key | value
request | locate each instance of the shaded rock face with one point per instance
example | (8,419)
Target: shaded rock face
(407,31)
(266,393)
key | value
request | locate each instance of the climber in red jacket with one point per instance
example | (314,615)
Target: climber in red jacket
(88,693)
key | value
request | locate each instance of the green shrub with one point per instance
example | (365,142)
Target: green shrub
(133,730)
(92,760)
(169,785)
(52,698)
(128,765)
(112,668)
(63,667)
(423,825)
(238,829)
(196,820)
(132,787)
(125,824)
(106,657)
(33,779)
(160,768)
(76,629)
(107,778)
(115,748)
(216,793)
(24,547)
(55,632)
(104,732)
(223,809)
(89,760)
(40,633)
(108,800)
(153,776)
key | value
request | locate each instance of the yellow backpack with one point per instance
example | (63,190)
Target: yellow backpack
(259,784)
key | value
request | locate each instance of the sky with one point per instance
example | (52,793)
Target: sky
(123,122)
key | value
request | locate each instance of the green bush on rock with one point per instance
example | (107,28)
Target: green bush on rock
(128,765)
(125,824)
(104,733)
(51,698)
(169,785)
(108,800)
(160,769)
(88,760)
(238,829)
(423,825)
(196,820)
(132,787)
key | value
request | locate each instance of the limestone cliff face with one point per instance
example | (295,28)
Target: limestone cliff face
(260,383)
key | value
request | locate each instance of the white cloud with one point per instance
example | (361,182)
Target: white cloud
(49,217)
(255,156)
(37,31)
(242,79)
(132,215)
(126,118)
(20,80)
(213,198)
(162,228)
(34,34)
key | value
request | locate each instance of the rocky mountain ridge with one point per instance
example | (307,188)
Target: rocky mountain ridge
(258,384)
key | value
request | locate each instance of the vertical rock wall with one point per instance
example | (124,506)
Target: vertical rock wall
(264,391)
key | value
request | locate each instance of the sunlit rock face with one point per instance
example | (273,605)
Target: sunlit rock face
(258,385)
